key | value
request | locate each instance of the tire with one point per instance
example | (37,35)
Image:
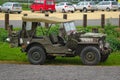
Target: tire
(104,57)
(63,11)
(84,10)
(108,9)
(80,10)
(90,55)
(32,10)
(51,11)
(42,11)
(92,10)
(72,11)
(8,11)
(36,55)
(114,10)
(19,12)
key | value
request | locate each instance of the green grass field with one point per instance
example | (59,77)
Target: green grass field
(14,54)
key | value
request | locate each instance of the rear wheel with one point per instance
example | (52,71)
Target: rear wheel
(51,11)
(36,55)
(84,10)
(19,12)
(8,11)
(92,10)
(108,9)
(42,11)
(63,11)
(32,10)
(114,10)
(90,55)
(72,11)
(80,10)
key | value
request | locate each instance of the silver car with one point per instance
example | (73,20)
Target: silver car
(107,5)
(64,7)
(86,6)
(118,6)
(11,7)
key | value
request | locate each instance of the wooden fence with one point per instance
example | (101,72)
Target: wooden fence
(65,17)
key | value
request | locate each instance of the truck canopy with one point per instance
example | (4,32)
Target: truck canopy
(51,20)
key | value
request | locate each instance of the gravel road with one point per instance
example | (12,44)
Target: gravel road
(56,72)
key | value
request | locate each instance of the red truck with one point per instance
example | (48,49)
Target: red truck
(43,5)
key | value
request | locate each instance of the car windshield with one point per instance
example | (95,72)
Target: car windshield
(16,5)
(50,2)
(92,3)
(39,1)
(69,4)
(114,3)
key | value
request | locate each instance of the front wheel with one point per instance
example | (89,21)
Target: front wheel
(36,55)
(63,11)
(90,55)
(108,9)
(84,10)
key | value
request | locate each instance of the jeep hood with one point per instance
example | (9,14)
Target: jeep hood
(93,35)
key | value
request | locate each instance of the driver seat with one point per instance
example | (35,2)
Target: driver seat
(53,38)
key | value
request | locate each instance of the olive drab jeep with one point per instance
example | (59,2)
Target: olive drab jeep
(67,42)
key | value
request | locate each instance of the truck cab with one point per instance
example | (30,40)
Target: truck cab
(43,5)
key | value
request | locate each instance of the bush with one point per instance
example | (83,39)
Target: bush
(114,43)
(3,34)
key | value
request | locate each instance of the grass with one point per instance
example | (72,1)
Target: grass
(14,54)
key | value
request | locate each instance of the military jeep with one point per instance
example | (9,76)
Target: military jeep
(68,42)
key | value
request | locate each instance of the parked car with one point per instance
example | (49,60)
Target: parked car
(64,7)
(43,5)
(118,6)
(107,5)
(11,7)
(86,6)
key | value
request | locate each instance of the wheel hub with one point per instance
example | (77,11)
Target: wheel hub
(36,56)
(90,56)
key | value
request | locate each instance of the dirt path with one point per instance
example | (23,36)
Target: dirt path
(77,15)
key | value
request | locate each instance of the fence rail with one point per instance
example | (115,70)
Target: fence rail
(65,16)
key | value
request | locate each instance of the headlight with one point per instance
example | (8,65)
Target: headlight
(21,40)
(107,45)
(101,43)
(8,39)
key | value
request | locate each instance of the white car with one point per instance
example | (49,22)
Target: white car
(107,5)
(118,6)
(86,6)
(11,7)
(64,7)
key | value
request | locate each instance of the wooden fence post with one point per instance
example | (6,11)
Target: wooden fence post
(85,20)
(46,15)
(6,21)
(103,20)
(64,16)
